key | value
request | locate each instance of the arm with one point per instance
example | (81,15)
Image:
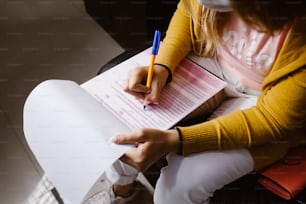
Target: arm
(279,110)
(177,43)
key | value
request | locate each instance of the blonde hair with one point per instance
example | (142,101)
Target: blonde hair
(211,23)
(264,16)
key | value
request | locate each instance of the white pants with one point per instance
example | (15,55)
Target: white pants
(194,179)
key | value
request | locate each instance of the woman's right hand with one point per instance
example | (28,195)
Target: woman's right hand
(136,83)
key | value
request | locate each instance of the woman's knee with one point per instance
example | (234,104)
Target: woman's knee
(181,192)
(195,178)
(181,182)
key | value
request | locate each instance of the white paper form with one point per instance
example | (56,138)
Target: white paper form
(191,86)
(68,132)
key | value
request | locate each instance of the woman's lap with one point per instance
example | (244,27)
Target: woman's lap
(193,179)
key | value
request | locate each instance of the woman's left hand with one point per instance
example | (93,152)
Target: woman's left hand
(150,146)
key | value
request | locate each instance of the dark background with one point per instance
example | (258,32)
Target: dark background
(132,23)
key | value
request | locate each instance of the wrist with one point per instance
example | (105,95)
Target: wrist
(165,69)
(174,139)
(180,145)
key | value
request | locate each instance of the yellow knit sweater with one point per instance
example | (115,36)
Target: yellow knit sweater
(268,129)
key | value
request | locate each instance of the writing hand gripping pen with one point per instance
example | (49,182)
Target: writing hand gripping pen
(154,52)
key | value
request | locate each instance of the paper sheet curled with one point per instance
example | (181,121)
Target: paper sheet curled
(68,132)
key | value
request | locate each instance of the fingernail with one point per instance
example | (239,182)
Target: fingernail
(113,139)
(145,102)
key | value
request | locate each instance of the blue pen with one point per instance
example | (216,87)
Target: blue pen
(155,48)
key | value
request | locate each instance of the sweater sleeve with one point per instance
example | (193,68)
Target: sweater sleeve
(279,110)
(177,42)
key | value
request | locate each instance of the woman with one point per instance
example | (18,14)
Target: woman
(258,48)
